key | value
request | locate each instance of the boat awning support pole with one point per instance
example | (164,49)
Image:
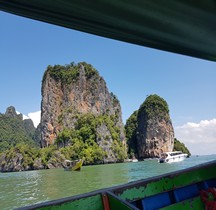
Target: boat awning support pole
(105,201)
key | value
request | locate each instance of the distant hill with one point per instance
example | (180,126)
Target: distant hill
(14,130)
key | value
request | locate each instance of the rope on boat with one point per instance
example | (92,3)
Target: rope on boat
(208,197)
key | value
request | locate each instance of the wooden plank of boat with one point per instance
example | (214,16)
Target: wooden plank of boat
(176,190)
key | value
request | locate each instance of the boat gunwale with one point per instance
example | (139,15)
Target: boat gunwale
(144,182)
(169,174)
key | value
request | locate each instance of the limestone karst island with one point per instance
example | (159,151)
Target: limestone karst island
(81,119)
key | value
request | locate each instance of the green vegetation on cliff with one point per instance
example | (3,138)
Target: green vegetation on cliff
(83,140)
(178,146)
(131,129)
(24,157)
(70,72)
(155,106)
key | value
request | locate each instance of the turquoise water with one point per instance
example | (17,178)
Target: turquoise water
(25,188)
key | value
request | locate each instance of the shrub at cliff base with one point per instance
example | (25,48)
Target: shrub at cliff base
(81,142)
(24,157)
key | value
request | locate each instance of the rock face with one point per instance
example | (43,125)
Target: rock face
(68,91)
(14,164)
(155,136)
(152,133)
(155,132)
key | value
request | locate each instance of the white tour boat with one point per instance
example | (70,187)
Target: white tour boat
(170,157)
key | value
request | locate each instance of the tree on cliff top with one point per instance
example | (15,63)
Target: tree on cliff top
(154,106)
(69,72)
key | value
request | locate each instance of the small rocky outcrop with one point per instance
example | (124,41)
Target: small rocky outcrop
(56,161)
(11,112)
(11,164)
(38,165)
(22,158)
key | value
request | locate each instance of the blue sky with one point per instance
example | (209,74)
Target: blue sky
(131,72)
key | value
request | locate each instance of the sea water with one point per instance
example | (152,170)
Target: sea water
(19,189)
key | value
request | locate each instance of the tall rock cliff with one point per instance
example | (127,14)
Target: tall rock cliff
(149,130)
(73,90)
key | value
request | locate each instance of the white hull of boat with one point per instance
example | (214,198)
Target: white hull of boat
(172,157)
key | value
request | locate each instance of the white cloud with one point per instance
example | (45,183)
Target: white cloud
(24,116)
(35,117)
(200,138)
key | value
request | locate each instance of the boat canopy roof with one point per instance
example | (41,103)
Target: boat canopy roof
(181,26)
